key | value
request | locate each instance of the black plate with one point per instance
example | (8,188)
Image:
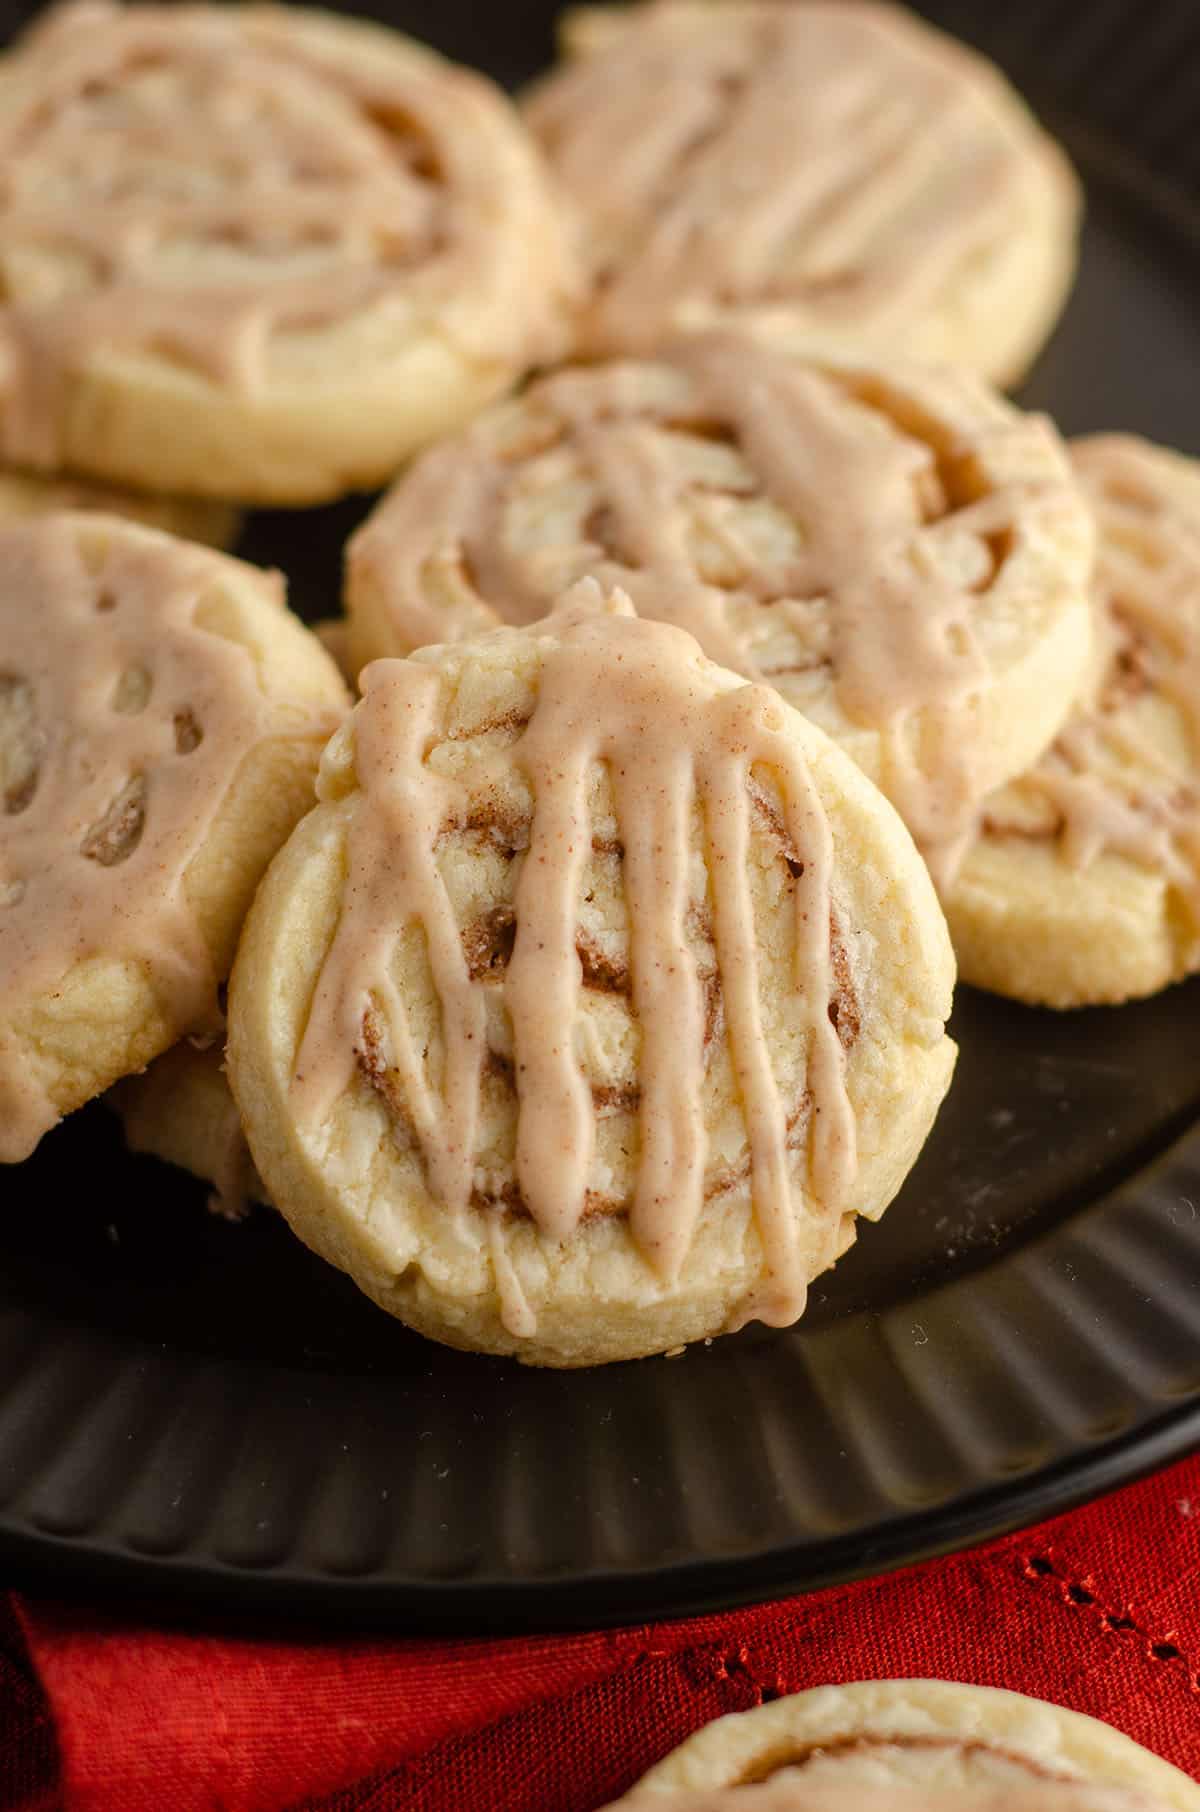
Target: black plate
(204,1412)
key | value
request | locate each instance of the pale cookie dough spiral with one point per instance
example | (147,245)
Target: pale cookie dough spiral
(823,174)
(900,553)
(1013,1789)
(596,998)
(911,1746)
(259,252)
(161,719)
(1082,885)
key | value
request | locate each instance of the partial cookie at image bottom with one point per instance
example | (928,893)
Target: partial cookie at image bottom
(911,1746)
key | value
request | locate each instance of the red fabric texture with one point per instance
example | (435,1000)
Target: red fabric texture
(1099,1609)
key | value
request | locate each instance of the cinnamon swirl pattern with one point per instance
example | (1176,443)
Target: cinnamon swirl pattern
(1083,883)
(161,716)
(824,174)
(595,1000)
(902,555)
(911,1746)
(258,252)
(1015,1789)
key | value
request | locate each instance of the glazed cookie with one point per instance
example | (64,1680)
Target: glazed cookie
(161,719)
(902,554)
(595,1000)
(181,1110)
(829,174)
(911,1746)
(259,252)
(195,518)
(1083,884)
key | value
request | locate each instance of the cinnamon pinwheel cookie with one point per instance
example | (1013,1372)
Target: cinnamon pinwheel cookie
(1083,883)
(595,1000)
(259,252)
(830,174)
(911,1746)
(195,518)
(902,554)
(161,718)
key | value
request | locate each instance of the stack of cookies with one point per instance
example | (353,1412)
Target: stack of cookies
(730,655)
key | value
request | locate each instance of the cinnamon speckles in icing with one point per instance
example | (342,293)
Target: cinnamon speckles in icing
(262,199)
(815,172)
(903,556)
(128,710)
(1092,858)
(627,695)
(596,999)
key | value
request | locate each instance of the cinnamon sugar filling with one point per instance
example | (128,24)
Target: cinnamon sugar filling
(788,1755)
(488,942)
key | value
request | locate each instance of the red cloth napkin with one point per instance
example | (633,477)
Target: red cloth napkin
(1099,1610)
